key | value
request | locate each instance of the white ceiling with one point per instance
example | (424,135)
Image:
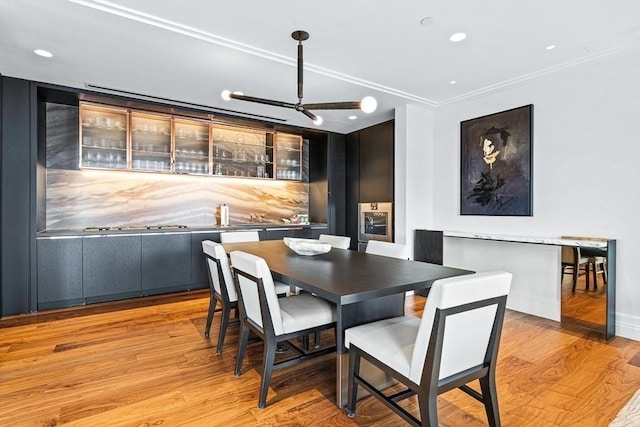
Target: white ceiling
(190,50)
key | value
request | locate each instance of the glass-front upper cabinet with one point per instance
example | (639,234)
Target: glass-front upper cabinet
(288,156)
(150,142)
(242,152)
(119,138)
(103,137)
(191,146)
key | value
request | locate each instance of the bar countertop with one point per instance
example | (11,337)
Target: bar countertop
(159,229)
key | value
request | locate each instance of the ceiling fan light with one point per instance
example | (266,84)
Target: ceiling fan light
(226,95)
(368,104)
(318,121)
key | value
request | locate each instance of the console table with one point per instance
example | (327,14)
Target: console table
(593,246)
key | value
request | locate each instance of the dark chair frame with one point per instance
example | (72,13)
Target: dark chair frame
(575,269)
(270,339)
(223,298)
(431,386)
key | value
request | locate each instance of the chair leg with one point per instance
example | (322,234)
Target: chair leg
(352,391)
(588,272)
(224,323)
(595,276)
(305,342)
(212,308)
(490,399)
(267,368)
(604,272)
(242,346)
(428,404)
(316,340)
(574,277)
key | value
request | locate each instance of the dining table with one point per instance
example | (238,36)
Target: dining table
(364,287)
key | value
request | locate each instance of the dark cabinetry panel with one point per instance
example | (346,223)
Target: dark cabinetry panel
(303,233)
(17,148)
(316,232)
(59,272)
(376,163)
(166,262)
(199,275)
(369,171)
(111,267)
(327,177)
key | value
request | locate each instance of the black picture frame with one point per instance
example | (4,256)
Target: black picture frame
(496,164)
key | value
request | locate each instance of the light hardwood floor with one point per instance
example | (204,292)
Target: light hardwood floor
(145,362)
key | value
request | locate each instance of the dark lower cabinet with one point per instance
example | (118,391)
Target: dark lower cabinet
(302,233)
(59,273)
(166,263)
(199,274)
(316,232)
(111,267)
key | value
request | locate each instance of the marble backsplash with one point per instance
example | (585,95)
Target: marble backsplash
(86,198)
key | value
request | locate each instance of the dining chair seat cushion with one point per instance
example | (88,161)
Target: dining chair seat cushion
(305,311)
(391,341)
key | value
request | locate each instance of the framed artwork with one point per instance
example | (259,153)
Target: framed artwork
(495,170)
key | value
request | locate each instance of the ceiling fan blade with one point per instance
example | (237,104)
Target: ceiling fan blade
(262,101)
(355,105)
(309,114)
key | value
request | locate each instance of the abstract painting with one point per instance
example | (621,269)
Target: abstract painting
(495,170)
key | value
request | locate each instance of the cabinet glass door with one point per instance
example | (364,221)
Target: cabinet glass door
(103,137)
(191,147)
(242,152)
(150,142)
(288,156)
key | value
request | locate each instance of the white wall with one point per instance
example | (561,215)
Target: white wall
(416,125)
(586,168)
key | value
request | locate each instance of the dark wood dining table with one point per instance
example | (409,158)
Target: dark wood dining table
(364,287)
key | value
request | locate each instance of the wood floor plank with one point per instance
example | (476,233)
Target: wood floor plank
(147,362)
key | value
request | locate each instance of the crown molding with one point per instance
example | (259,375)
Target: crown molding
(135,15)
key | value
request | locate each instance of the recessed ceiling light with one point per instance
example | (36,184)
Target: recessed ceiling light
(426,21)
(452,82)
(353,117)
(458,37)
(44,53)
(551,47)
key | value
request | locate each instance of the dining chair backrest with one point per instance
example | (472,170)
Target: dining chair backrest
(393,250)
(571,255)
(340,242)
(239,236)
(253,273)
(467,334)
(219,255)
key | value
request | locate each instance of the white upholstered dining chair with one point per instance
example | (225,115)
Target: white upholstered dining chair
(223,290)
(455,342)
(339,242)
(273,319)
(394,250)
(572,263)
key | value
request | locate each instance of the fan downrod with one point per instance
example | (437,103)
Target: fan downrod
(300,35)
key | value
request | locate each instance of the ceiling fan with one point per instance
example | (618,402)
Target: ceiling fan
(367,105)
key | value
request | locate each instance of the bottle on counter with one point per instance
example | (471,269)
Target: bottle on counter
(224,215)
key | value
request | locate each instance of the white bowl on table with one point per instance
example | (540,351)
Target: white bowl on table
(306,246)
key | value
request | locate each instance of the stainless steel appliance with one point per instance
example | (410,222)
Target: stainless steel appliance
(375,222)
